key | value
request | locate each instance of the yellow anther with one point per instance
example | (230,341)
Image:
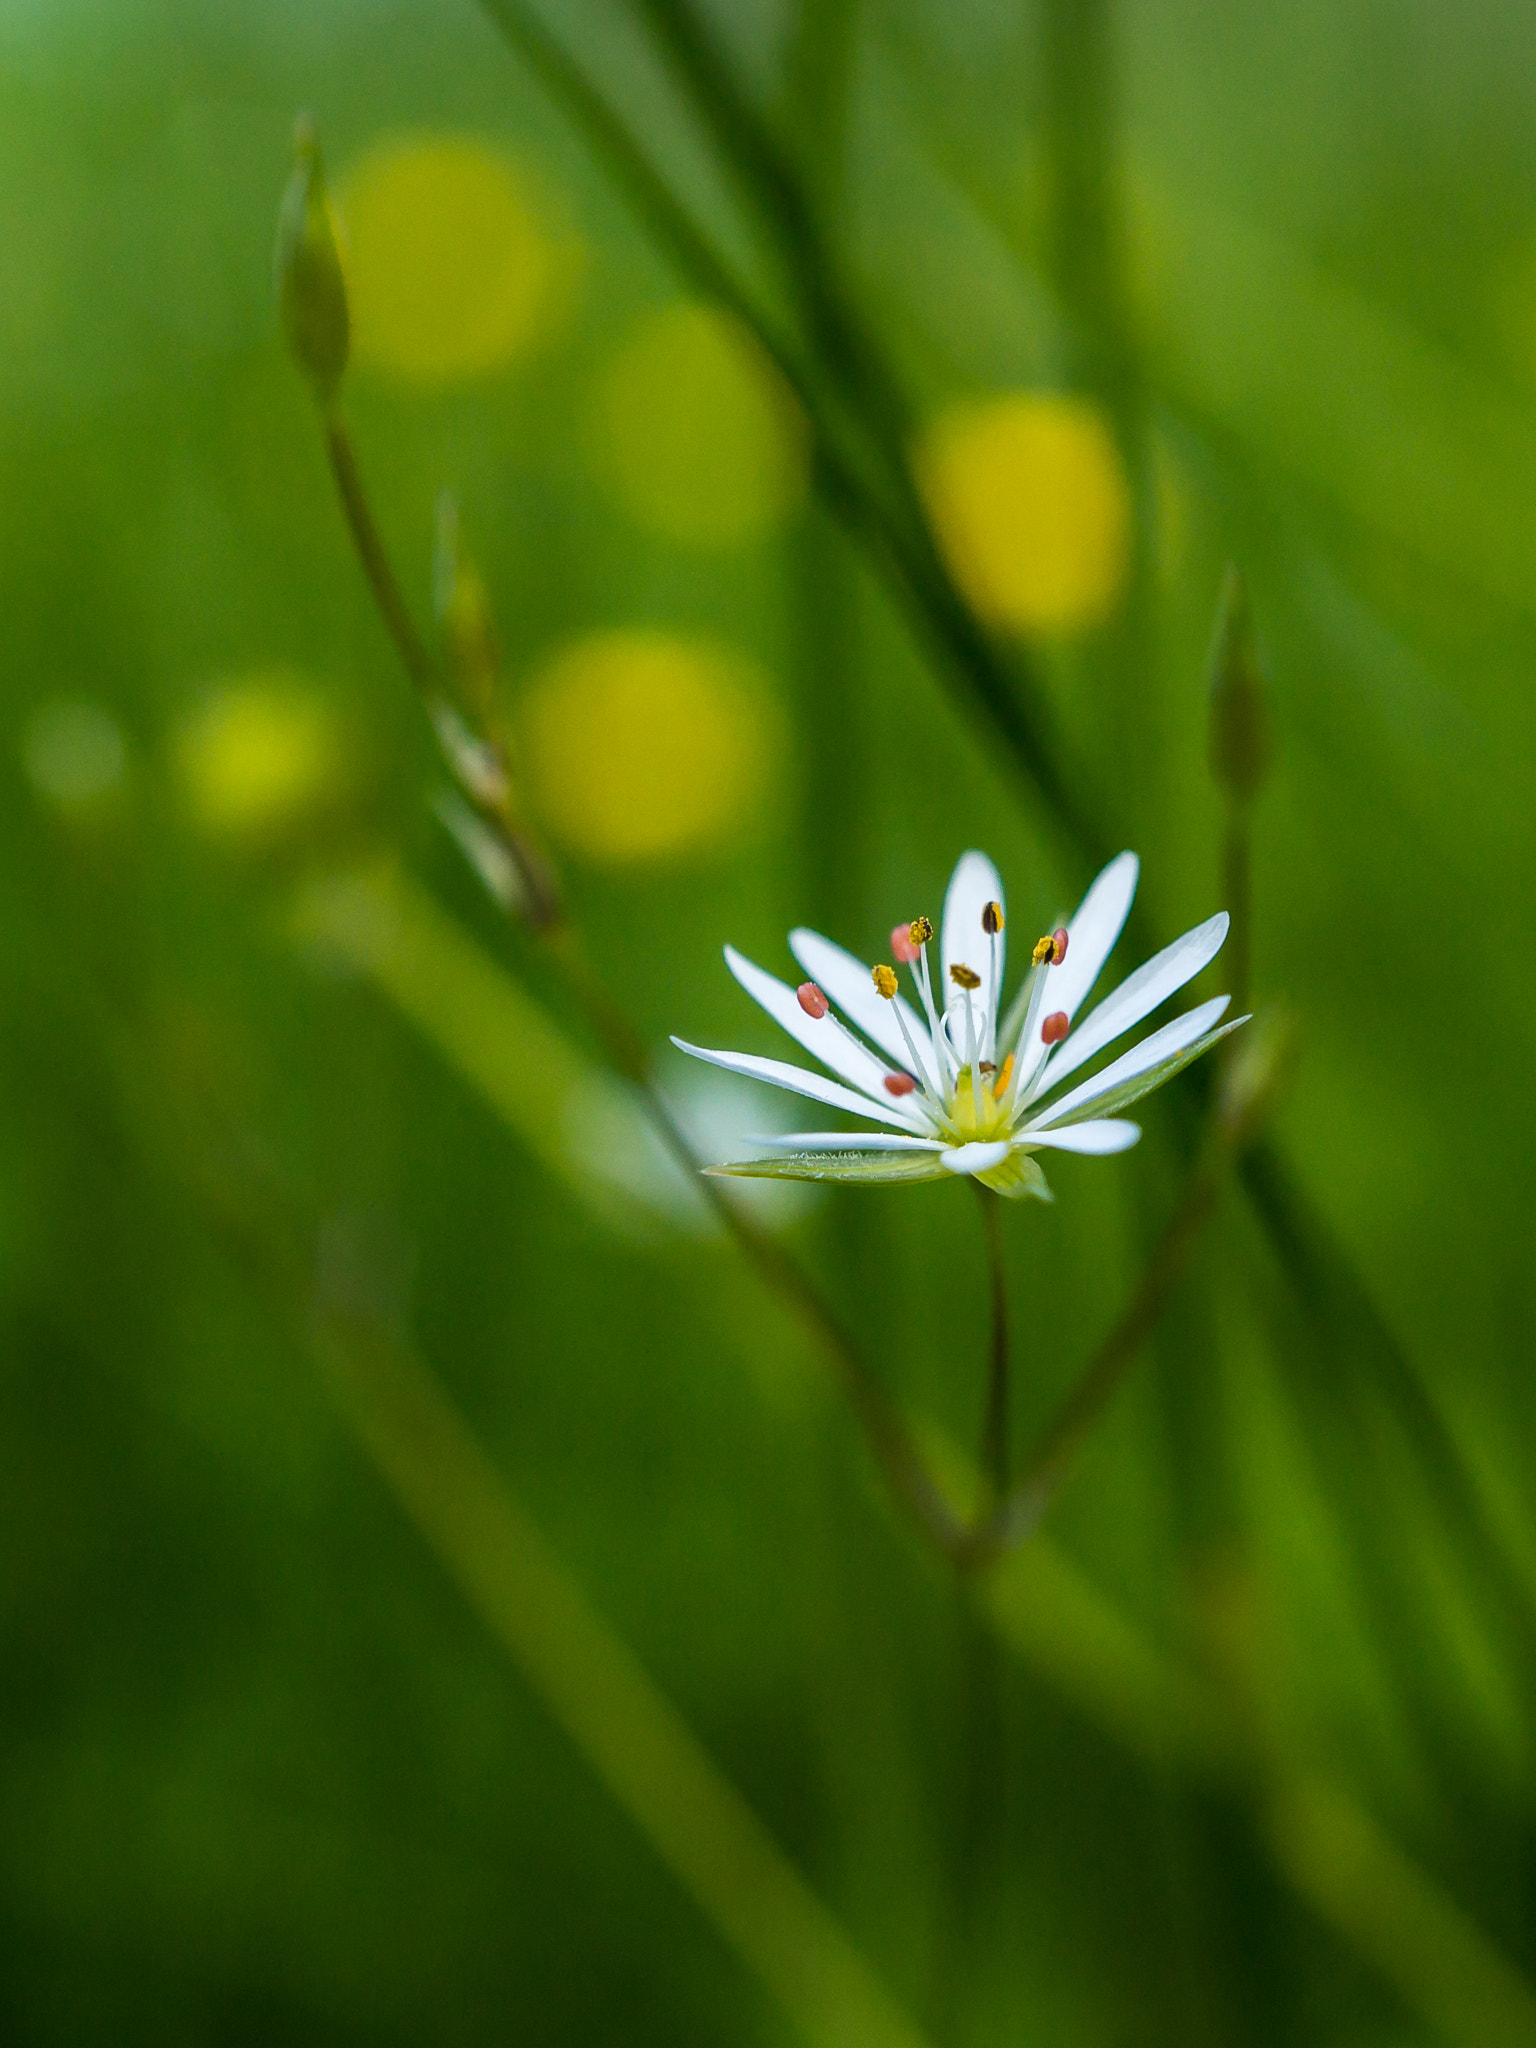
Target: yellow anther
(1045,949)
(963,976)
(992,920)
(885,981)
(922,931)
(1000,1085)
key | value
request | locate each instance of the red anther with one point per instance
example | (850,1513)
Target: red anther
(902,948)
(1055,1028)
(811,999)
(899,1084)
(1058,945)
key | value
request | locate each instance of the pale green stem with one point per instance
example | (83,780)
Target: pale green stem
(994,1432)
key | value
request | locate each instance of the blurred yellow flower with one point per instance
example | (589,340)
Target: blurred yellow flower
(696,433)
(259,756)
(640,745)
(1032,509)
(449,269)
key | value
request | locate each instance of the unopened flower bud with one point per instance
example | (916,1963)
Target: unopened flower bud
(311,285)
(885,981)
(902,948)
(1055,1028)
(1239,732)
(811,1000)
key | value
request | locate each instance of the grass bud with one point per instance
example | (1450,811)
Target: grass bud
(311,285)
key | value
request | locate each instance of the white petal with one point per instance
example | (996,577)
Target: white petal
(1136,997)
(974,884)
(1106,1134)
(846,1141)
(781,1075)
(1171,1039)
(975,1158)
(820,1036)
(851,986)
(1091,934)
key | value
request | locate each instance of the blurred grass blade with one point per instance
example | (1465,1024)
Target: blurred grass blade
(1062,1627)
(577,1120)
(1333,388)
(599,1694)
(1441,1964)
(1001,693)
(1332,1853)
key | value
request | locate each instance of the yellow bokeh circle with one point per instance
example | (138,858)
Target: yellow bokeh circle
(695,431)
(1032,509)
(450,272)
(640,746)
(260,756)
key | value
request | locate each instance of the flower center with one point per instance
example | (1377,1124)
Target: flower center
(976,1117)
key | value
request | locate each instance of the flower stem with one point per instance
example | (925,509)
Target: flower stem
(1249,1091)
(994,1428)
(1052,1457)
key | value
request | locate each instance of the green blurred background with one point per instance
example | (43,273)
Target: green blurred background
(1164,286)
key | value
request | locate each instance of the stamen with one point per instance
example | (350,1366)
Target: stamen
(929,1088)
(1051,951)
(920,931)
(899,1084)
(1000,1085)
(902,946)
(811,1000)
(972,1048)
(961,975)
(1055,1028)
(988,1067)
(992,923)
(885,981)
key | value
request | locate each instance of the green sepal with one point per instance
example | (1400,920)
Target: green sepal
(837,1166)
(1019,1177)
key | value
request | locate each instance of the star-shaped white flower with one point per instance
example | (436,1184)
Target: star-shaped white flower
(962,1085)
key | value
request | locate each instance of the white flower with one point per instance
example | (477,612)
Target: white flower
(960,1088)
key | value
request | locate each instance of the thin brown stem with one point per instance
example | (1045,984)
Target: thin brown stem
(540,899)
(994,1429)
(374,558)
(887,1435)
